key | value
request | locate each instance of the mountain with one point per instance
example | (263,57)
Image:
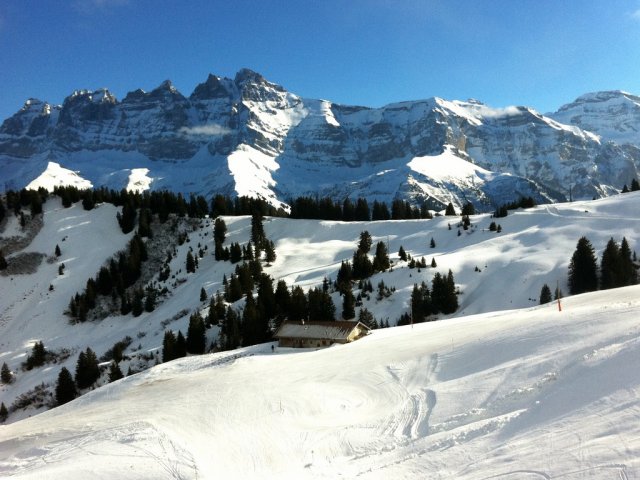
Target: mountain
(249,136)
(613,115)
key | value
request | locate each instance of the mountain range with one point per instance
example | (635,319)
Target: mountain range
(249,136)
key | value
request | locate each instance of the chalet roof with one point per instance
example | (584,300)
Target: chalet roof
(324,330)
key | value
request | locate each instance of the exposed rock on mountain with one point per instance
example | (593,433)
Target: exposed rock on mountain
(248,136)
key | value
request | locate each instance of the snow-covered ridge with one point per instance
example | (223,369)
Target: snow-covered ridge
(303,146)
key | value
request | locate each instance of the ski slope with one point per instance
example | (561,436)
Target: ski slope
(522,394)
(451,398)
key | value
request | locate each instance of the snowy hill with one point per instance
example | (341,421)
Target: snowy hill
(493,271)
(526,394)
(249,136)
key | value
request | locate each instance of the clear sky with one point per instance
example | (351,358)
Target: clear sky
(539,53)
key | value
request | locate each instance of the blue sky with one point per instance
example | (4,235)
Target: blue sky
(539,53)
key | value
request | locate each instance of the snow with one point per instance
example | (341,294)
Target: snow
(498,395)
(55,175)
(139,181)
(448,167)
(503,388)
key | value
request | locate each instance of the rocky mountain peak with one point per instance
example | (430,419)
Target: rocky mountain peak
(213,87)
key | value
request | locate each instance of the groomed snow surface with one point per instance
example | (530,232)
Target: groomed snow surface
(502,389)
(530,394)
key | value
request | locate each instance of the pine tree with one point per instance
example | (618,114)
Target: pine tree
(362,266)
(298,308)
(283,299)
(150,300)
(181,346)
(87,369)
(203,295)
(628,272)
(219,230)
(348,305)
(545,294)
(196,339)
(137,306)
(114,372)
(4,413)
(168,346)
(402,254)
(320,305)
(5,374)
(381,259)
(364,245)
(191,263)
(57,251)
(366,317)
(611,266)
(37,357)
(432,243)
(3,262)
(433,262)
(635,186)
(65,388)
(450,211)
(270,252)
(583,268)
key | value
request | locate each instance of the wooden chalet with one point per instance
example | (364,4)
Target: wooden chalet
(319,334)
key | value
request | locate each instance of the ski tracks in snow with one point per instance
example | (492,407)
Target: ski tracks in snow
(411,420)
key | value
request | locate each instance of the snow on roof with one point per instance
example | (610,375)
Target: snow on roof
(329,330)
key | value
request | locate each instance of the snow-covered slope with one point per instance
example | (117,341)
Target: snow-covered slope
(249,136)
(526,394)
(493,271)
(613,115)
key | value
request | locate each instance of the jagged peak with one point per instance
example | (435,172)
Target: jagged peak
(245,75)
(212,87)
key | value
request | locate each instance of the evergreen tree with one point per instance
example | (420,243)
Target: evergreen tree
(257,231)
(348,304)
(181,346)
(137,306)
(87,369)
(468,209)
(203,295)
(231,330)
(362,210)
(191,263)
(625,189)
(3,262)
(219,230)
(450,211)
(320,306)
(432,243)
(282,300)
(168,346)
(196,339)
(628,272)
(362,266)
(583,268)
(235,253)
(635,186)
(5,374)
(65,388)
(611,266)
(364,245)
(381,259)
(57,251)
(366,317)
(298,308)
(114,372)
(255,327)
(433,262)
(545,294)
(150,300)
(402,254)
(270,252)
(37,357)
(4,413)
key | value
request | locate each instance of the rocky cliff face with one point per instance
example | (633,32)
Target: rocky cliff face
(248,136)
